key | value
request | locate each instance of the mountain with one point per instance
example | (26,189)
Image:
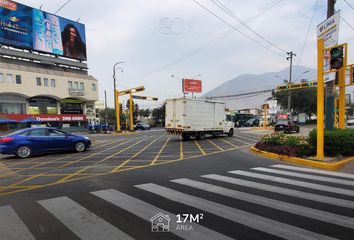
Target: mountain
(256,82)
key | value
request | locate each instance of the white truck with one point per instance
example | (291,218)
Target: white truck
(191,117)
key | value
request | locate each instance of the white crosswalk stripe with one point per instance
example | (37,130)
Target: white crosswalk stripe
(11,226)
(295,182)
(85,224)
(312,170)
(146,211)
(81,221)
(268,202)
(285,191)
(251,220)
(306,176)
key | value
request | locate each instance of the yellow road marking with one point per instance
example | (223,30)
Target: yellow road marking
(248,144)
(200,148)
(136,154)
(94,154)
(20,182)
(214,144)
(71,175)
(229,143)
(181,154)
(122,150)
(161,150)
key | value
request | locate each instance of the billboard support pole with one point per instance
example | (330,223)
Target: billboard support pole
(320,100)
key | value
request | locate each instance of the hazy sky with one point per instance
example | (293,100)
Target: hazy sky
(160,38)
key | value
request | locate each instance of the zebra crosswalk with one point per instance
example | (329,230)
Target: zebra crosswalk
(274,202)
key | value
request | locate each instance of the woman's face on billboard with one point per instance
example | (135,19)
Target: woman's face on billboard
(72,34)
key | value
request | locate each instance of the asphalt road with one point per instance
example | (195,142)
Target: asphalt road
(211,189)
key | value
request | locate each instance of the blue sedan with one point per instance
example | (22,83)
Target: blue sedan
(30,141)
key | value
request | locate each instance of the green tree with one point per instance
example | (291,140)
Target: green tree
(158,115)
(302,100)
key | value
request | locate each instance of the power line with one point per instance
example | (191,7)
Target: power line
(208,44)
(346,22)
(232,26)
(351,6)
(62,6)
(234,16)
(307,34)
(255,93)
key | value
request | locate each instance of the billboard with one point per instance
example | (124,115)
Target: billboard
(192,85)
(28,28)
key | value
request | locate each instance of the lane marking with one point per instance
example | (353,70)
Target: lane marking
(214,144)
(199,147)
(272,203)
(285,191)
(247,143)
(12,227)
(295,182)
(136,154)
(146,211)
(231,144)
(181,154)
(306,176)
(311,170)
(245,218)
(22,181)
(246,138)
(161,150)
(83,223)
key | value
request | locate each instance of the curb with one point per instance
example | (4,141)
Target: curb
(303,161)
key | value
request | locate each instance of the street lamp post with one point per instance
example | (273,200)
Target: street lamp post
(116,103)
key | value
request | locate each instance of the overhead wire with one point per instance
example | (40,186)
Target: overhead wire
(306,37)
(209,43)
(232,26)
(219,4)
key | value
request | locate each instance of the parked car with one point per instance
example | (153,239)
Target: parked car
(351,121)
(286,126)
(30,141)
(252,122)
(142,126)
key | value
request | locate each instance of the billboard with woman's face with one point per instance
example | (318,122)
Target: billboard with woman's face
(29,28)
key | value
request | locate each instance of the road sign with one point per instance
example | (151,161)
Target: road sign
(296,86)
(145,98)
(328,31)
(273,106)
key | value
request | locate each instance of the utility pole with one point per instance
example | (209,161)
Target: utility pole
(105,107)
(291,55)
(329,109)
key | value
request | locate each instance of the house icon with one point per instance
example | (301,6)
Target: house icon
(160,223)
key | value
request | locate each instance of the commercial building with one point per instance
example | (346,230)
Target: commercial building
(41,81)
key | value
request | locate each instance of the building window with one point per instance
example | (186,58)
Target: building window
(94,87)
(18,79)
(39,81)
(76,85)
(10,78)
(1,77)
(82,88)
(52,83)
(12,108)
(46,83)
(70,85)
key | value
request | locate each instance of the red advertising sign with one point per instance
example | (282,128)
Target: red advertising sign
(283,116)
(192,85)
(45,117)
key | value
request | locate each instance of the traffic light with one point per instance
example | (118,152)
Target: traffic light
(336,61)
(336,80)
(282,87)
(307,84)
(121,108)
(265,106)
(352,76)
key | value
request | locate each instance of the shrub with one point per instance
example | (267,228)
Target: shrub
(336,142)
(285,145)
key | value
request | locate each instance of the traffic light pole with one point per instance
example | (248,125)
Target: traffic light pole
(291,55)
(330,84)
(320,102)
(131,111)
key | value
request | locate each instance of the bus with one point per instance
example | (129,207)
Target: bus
(239,118)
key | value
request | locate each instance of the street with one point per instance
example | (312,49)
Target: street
(210,189)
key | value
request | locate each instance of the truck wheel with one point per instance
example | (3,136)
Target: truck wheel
(231,133)
(185,137)
(201,136)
